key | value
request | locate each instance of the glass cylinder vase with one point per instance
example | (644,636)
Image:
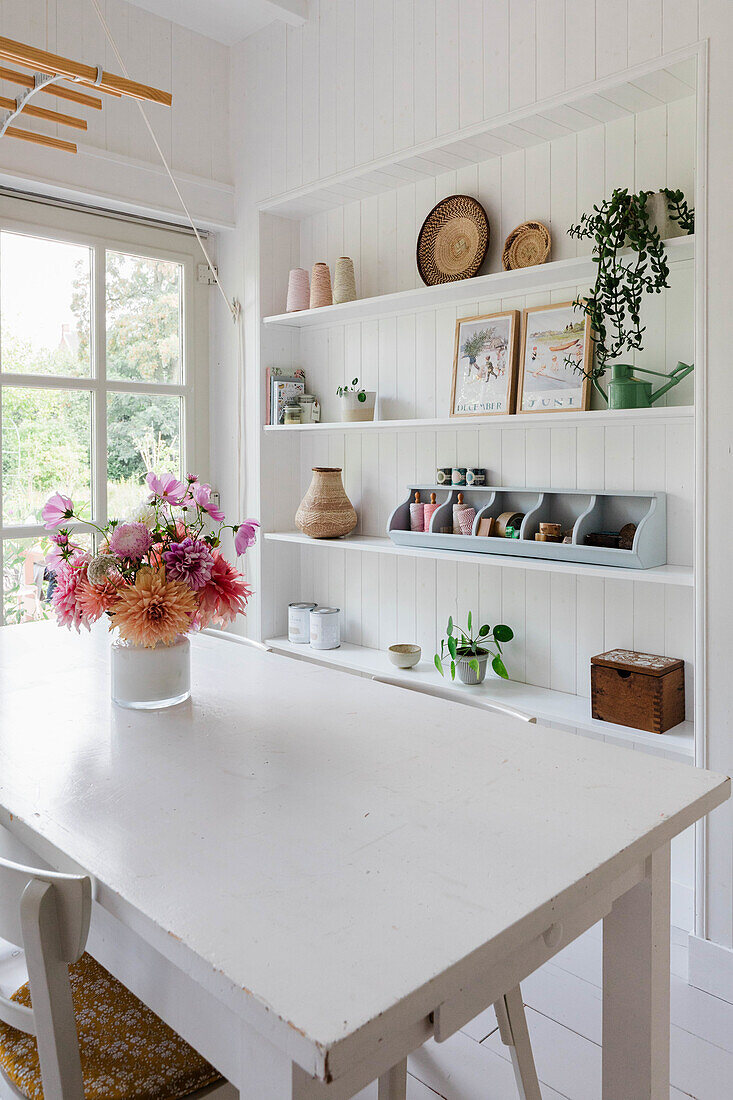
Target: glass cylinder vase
(151,678)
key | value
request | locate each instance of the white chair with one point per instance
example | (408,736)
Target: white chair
(47,914)
(510,1009)
(469,701)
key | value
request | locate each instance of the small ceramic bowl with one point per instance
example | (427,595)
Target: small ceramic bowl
(404,656)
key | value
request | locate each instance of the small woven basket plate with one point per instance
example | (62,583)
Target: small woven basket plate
(453,240)
(527,245)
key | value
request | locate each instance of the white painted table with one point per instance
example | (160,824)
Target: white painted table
(309,874)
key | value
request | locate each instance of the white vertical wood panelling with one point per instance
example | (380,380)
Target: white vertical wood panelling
(382,75)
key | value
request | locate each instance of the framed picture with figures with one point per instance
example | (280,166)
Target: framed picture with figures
(556,356)
(485,364)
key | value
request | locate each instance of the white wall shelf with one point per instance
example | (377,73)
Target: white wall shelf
(598,417)
(679,575)
(525,280)
(572,711)
(640,88)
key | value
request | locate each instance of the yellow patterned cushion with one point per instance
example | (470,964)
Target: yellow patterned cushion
(127,1052)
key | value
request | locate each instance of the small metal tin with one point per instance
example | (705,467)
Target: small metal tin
(475,476)
(443,475)
(325,628)
(458,475)
(299,622)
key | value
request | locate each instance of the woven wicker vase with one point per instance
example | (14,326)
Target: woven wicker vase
(325,512)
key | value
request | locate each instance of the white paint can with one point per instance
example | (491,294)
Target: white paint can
(325,628)
(299,622)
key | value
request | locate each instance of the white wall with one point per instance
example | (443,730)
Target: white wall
(117,162)
(367,77)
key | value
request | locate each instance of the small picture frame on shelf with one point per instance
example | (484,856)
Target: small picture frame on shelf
(556,355)
(485,364)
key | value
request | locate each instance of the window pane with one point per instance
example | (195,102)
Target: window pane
(143,433)
(44,306)
(144,319)
(47,437)
(25,581)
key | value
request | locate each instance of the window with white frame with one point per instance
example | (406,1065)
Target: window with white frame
(94,389)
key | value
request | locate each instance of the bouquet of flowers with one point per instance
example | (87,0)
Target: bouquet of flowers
(157,574)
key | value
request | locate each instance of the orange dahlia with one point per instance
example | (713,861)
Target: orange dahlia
(153,609)
(96,599)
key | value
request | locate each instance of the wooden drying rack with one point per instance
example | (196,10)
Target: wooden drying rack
(48,71)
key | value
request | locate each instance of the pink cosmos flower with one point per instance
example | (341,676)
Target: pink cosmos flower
(65,598)
(189,561)
(202,495)
(166,487)
(130,540)
(245,535)
(61,547)
(56,509)
(225,596)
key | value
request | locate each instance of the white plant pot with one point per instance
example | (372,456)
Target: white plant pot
(150,679)
(353,409)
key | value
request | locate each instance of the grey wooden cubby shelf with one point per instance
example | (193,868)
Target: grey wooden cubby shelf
(579,509)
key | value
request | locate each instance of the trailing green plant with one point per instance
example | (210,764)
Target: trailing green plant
(463,643)
(353,388)
(614,303)
(679,211)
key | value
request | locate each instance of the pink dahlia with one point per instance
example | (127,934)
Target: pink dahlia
(245,535)
(65,598)
(225,596)
(56,509)
(202,495)
(130,540)
(166,487)
(189,561)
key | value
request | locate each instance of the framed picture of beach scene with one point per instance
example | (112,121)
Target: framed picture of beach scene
(556,351)
(485,364)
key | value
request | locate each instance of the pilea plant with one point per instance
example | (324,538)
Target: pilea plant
(614,304)
(462,643)
(353,388)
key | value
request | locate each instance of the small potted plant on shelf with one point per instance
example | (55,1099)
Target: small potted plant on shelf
(638,223)
(356,402)
(470,654)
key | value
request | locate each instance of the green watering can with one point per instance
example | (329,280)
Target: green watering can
(627,392)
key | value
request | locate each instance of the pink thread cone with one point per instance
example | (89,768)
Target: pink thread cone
(466,518)
(298,290)
(417,517)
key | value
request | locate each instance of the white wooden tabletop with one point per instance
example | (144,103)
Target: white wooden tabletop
(323,846)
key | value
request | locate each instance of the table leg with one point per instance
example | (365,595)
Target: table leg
(393,1084)
(636,988)
(514,1033)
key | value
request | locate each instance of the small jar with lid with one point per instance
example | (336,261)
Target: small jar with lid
(307,402)
(292,412)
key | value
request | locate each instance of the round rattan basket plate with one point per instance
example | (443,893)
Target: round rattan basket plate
(527,245)
(453,240)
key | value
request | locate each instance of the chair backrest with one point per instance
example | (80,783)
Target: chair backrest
(47,914)
(238,639)
(468,701)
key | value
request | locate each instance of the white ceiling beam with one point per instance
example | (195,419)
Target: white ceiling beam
(294,12)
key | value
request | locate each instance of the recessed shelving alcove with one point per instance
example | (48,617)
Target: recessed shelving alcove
(550,161)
